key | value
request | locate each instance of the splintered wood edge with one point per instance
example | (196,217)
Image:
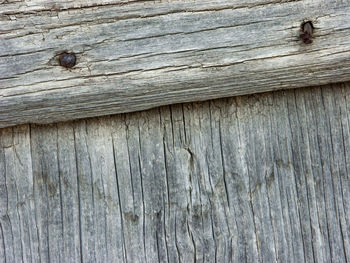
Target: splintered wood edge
(138,55)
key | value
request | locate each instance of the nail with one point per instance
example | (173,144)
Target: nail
(307,30)
(67,60)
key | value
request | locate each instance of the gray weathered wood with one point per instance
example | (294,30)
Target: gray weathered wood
(258,178)
(135,55)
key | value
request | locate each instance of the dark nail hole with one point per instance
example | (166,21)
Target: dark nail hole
(67,60)
(307,29)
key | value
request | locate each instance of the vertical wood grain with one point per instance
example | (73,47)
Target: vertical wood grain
(258,178)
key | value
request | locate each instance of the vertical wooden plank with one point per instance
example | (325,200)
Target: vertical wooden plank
(260,173)
(342,100)
(47,192)
(294,185)
(202,190)
(302,176)
(317,107)
(126,148)
(337,162)
(6,228)
(99,200)
(70,199)
(86,196)
(154,185)
(180,243)
(224,224)
(282,170)
(107,213)
(238,146)
(17,217)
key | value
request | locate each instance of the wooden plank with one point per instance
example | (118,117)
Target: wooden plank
(258,178)
(18,222)
(135,55)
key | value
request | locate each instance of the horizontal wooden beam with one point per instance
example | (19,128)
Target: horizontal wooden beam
(137,55)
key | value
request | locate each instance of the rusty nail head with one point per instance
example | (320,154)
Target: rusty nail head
(67,60)
(307,31)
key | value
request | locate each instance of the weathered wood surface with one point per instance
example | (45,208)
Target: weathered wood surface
(259,178)
(135,55)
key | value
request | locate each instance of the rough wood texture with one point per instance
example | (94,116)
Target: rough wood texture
(259,178)
(135,55)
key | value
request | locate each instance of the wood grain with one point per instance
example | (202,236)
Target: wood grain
(136,55)
(258,178)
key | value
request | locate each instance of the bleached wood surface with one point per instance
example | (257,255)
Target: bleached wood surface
(135,55)
(259,178)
